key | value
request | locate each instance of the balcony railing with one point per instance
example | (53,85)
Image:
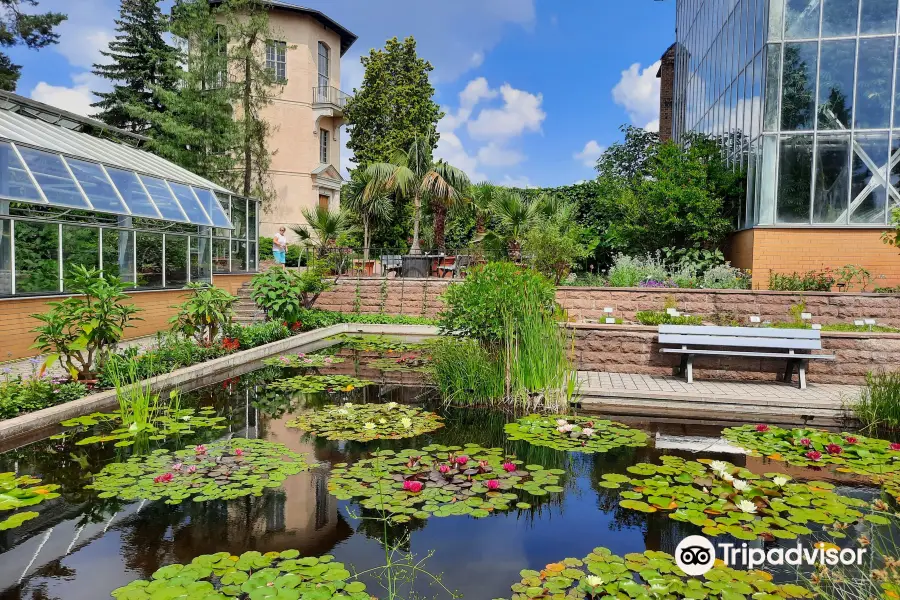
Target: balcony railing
(330,95)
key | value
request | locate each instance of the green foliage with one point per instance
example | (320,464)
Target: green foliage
(367,422)
(307,384)
(850,276)
(22,492)
(575,434)
(221,470)
(258,334)
(725,277)
(727,500)
(285,293)
(878,405)
(555,247)
(411,484)
(138,62)
(892,238)
(811,281)
(475,307)
(393,105)
(20,395)
(655,318)
(465,373)
(205,313)
(303,361)
(276,575)
(19,28)
(324,229)
(80,330)
(630,271)
(601,574)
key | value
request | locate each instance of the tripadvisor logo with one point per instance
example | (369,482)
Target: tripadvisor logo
(696,555)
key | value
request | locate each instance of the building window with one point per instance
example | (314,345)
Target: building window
(324,64)
(276,59)
(323,146)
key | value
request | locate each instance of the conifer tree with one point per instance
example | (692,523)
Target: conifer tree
(17,27)
(140,60)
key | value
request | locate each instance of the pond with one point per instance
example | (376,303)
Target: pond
(82,546)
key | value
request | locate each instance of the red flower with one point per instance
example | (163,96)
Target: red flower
(895,446)
(509,467)
(850,439)
(462,460)
(163,478)
(492,484)
(814,455)
(238,452)
(806,442)
(412,486)
(297,326)
(833,449)
(762,428)
(444,469)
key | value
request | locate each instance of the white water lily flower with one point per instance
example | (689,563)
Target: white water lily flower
(727,476)
(391,405)
(566,428)
(370,426)
(718,466)
(587,432)
(562,422)
(186,418)
(348,404)
(343,411)
(594,580)
(780,481)
(381,421)
(406,422)
(747,507)
(740,485)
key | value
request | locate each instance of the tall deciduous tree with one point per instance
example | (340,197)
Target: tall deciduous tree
(394,106)
(16,27)
(198,130)
(140,61)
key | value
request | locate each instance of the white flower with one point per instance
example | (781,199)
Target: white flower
(594,580)
(561,429)
(562,422)
(370,426)
(343,411)
(348,404)
(406,422)
(780,481)
(727,476)
(381,421)
(747,507)
(587,432)
(740,485)
(566,428)
(391,405)
(718,466)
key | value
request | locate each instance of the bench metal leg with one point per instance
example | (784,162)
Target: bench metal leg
(802,368)
(681,369)
(690,368)
(789,371)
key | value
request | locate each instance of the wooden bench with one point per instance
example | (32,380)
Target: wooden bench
(793,345)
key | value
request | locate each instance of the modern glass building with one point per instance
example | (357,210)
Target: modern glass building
(804,95)
(75,191)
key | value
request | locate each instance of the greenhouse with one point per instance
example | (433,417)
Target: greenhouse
(75,191)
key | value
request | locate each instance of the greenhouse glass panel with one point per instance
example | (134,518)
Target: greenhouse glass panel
(149,260)
(832,179)
(5,257)
(225,203)
(163,198)
(37,257)
(81,246)
(96,186)
(53,177)
(795,179)
(200,258)
(217,212)
(221,250)
(134,193)
(14,180)
(190,204)
(176,260)
(868,191)
(238,255)
(118,254)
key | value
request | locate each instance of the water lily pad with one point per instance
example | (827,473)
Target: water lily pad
(221,470)
(319,383)
(21,492)
(579,434)
(366,422)
(250,576)
(303,361)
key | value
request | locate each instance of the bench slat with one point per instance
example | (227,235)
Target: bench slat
(748,354)
(740,342)
(756,332)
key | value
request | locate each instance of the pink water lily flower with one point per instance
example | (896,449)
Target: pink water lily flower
(201,449)
(762,428)
(192,469)
(813,455)
(238,452)
(895,446)
(462,460)
(444,469)
(163,478)
(833,449)
(806,442)
(177,466)
(492,484)
(509,467)
(412,486)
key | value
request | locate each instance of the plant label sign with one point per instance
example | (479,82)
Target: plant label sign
(608,310)
(755,319)
(806,316)
(817,326)
(870,321)
(859,322)
(610,321)
(672,312)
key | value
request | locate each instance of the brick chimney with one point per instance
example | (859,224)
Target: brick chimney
(666,74)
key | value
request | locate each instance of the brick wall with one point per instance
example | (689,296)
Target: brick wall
(156,309)
(396,296)
(634,349)
(764,250)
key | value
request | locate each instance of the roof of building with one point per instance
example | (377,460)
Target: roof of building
(347,37)
(48,157)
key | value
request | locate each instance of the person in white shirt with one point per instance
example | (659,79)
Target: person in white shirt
(279,246)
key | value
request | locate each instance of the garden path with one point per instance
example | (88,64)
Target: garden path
(27,367)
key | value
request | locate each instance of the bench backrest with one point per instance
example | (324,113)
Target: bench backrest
(392,260)
(740,337)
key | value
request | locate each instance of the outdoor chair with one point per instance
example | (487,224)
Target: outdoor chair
(457,268)
(391,263)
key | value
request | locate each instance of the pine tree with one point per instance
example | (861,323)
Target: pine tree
(140,61)
(16,27)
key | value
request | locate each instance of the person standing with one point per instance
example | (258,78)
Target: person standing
(279,247)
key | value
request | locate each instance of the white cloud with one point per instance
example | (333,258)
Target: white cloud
(474,92)
(450,148)
(638,92)
(495,155)
(652,125)
(589,155)
(521,112)
(516,182)
(76,99)
(477,59)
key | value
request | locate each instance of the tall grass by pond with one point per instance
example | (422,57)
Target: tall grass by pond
(878,406)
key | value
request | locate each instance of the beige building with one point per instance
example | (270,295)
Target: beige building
(307,115)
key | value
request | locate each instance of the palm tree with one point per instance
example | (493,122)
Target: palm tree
(323,228)
(414,173)
(516,215)
(369,199)
(481,197)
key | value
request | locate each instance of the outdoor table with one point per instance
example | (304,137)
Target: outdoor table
(418,265)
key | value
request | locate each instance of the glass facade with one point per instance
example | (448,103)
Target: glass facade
(803,94)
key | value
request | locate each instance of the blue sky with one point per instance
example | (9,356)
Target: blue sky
(533,89)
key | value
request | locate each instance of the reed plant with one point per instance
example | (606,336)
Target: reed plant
(878,406)
(139,406)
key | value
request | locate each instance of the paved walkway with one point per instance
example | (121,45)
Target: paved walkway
(765,392)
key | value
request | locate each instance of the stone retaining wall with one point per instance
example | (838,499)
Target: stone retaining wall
(635,349)
(421,297)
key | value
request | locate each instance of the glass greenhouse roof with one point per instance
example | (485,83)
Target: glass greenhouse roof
(51,165)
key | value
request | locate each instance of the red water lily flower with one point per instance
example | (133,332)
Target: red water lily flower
(762,428)
(412,486)
(509,467)
(833,449)
(814,455)
(462,460)
(163,478)
(806,442)
(492,484)
(850,439)
(238,452)
(444,469)
(895,446)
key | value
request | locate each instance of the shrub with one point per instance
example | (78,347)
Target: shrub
(475,307)
(258,334)
(725,277)
(284,293)
(658,317)
(879,401)
(811,281)
(205,313)
(888,290)
(630,271)
(80,331)
(554,252)
(19,395)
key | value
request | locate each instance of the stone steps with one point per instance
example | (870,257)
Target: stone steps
(246,312)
